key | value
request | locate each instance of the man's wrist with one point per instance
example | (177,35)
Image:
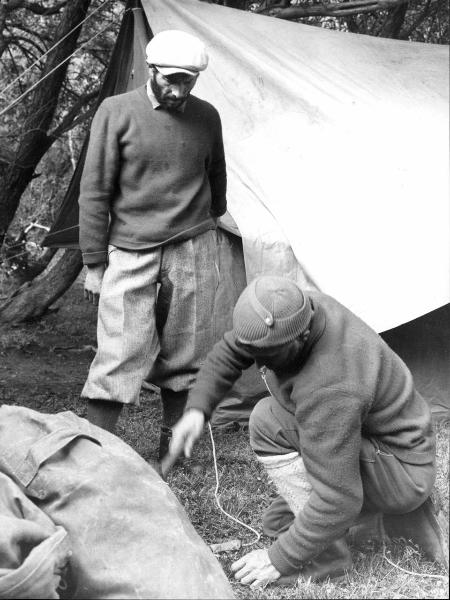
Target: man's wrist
(195,410)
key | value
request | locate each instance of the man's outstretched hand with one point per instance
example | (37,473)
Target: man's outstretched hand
(255,569)
(186,432)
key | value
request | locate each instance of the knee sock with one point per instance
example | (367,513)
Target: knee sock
(288,473)
(173,404)
(104,413)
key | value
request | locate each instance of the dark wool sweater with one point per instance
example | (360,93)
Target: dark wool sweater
(345,383)
(151,176)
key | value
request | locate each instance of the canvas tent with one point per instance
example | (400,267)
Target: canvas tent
(337,157)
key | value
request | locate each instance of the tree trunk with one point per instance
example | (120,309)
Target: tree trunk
(32,299)
(341,9)
(35,141)
(394,21)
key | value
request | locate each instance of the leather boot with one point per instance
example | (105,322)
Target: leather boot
(173,404)
(425,527)
(367,527)
(332,564)
(164,441)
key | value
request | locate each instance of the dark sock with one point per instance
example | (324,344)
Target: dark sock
(173,404)
(104,413)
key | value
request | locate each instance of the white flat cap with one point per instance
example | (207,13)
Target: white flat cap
(174,51)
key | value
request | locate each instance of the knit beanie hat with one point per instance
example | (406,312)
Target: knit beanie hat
(271,311)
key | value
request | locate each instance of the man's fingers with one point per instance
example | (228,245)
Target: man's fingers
(238,564)
(186,432)
(243,574)
(250,578)
(176,443)
(189,446)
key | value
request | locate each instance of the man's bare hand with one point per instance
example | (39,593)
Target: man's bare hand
(186,432)
(93,282)
(255,569)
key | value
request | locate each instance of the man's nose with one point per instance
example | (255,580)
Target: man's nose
(178,89)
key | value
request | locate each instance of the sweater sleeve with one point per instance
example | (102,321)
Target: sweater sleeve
(97,186)
(330,438)
(217,174)
(222,367)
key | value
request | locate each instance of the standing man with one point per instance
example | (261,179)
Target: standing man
(344,430)
(153,187)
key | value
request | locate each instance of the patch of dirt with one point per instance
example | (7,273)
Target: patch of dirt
(49,356)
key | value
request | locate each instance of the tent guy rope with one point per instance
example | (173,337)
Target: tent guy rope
(17,100)
(38,60)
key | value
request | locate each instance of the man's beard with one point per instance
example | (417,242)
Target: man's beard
(173,103)
(284,361)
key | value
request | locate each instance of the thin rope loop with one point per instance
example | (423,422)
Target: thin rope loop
(216,495)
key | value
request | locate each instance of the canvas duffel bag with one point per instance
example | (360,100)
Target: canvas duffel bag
(33,550)
(129,535)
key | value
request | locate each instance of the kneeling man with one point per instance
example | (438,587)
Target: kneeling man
(343,432)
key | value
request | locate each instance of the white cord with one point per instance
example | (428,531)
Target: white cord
(411,572)
(26,92)
(216,495)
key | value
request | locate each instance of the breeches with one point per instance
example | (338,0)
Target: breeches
(154,318)
(390,485)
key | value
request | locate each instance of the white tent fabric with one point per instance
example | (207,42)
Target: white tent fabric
(337,152)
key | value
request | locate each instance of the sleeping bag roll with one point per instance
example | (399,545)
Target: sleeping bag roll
(129,535)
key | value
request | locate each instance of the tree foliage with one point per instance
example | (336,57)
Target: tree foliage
(53,55)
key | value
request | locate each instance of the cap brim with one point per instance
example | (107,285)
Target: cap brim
(173,70)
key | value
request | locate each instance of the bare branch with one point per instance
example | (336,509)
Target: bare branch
(87,114)
(26,40)
(31,56)
(73,117)
(41,35)
(341,9)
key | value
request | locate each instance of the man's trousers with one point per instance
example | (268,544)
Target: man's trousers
(155,318)
(390,485)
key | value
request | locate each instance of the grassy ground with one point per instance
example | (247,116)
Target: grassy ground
(43,366)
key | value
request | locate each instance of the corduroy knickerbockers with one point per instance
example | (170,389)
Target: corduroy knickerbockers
(141,331)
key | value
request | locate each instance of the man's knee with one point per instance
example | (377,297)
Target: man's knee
(273,430)
(260,415)
(261,425)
